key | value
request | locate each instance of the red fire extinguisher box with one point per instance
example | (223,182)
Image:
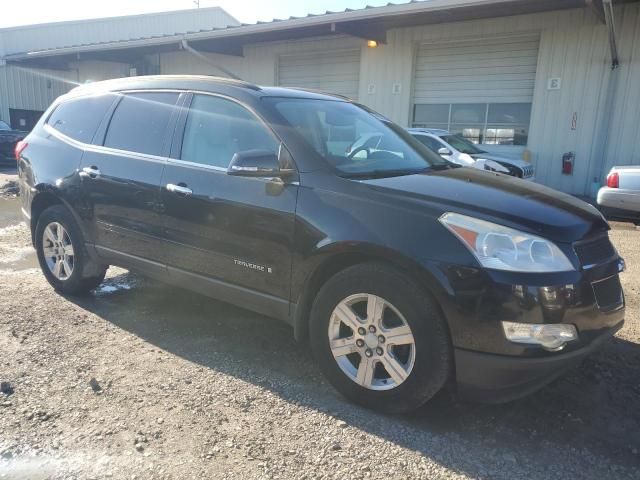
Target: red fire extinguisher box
(567,163)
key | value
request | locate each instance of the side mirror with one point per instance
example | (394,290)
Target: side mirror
(444,151)
(256,163)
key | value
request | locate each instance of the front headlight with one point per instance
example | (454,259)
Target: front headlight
(503,248)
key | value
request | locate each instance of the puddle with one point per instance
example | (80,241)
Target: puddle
(118,283)
(27,262)
(10,213)
(16,252)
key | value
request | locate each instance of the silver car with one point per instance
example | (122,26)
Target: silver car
(458,149)
(621,195)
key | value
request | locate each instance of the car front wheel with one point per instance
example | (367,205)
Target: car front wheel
(380,338)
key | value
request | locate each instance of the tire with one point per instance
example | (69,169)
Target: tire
(425,365)
(84,274)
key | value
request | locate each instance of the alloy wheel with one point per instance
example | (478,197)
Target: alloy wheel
(371,342)
(58,250)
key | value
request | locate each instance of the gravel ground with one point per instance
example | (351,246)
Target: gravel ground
(145,381)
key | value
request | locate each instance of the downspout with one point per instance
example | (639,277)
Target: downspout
(611,94)
(609,19)
(185,46)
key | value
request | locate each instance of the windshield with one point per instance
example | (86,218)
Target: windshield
(356,142)
(461,144)
(4,126)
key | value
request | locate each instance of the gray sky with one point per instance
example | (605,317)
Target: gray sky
(25,12)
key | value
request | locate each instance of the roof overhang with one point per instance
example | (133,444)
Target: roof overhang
(370,23)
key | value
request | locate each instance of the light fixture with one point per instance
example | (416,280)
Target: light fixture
(551,336)
(372,43)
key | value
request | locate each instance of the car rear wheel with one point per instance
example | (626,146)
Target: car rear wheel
(62,253)
(380,338)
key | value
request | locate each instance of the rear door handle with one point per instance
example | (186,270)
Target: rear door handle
(182,190)
(91,172)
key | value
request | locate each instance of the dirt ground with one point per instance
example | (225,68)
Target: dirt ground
(145,381)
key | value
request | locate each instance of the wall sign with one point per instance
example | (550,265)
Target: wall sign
(554,83)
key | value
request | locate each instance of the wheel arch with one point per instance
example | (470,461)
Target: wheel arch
(332,259)
(46,196)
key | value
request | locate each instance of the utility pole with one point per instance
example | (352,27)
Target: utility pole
(197,2)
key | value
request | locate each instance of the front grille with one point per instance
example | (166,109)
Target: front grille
(593,252)
(608,293)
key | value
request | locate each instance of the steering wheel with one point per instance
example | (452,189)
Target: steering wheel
(357,150)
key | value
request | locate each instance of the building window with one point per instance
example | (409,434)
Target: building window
(487,123)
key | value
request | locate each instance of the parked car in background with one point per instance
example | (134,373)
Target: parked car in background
(620,197)
(458,149)
(8,140)
(402,272)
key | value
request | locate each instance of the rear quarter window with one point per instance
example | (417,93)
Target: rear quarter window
(80,118)
(139,123)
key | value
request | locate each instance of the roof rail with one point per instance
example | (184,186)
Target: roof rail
(118,83)
(236,82)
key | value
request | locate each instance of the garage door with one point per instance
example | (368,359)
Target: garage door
(482,89)
(333,72)
(502,68)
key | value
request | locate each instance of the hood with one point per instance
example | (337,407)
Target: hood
(500,199)
(497,158)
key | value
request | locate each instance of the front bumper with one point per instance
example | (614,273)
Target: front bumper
(494,378)
(490,367)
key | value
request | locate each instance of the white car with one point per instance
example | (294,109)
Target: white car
(621,195)
(458,149)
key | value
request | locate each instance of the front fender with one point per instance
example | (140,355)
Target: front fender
(312,271)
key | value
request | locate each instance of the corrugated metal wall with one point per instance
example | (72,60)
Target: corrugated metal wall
(94,70)
(573,47)
(177,63)
(337,71)
(623,141)
(31,90)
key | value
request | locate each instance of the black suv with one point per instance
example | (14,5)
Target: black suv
(404,272)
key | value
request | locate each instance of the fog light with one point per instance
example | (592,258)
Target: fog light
(550,336)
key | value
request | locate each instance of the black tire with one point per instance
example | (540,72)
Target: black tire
(433,351)
(86,274)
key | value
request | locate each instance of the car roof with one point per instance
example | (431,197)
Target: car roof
(197,82)
(433,131)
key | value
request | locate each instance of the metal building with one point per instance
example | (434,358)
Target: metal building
(26,92)
(541,79)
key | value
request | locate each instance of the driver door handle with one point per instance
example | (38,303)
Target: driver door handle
(182,190)
(91,172)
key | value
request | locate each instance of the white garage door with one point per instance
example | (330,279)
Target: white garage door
(333,72)
(482,89)
(502,69)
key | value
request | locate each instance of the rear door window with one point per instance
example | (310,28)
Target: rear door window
(80,118)
(140,121)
